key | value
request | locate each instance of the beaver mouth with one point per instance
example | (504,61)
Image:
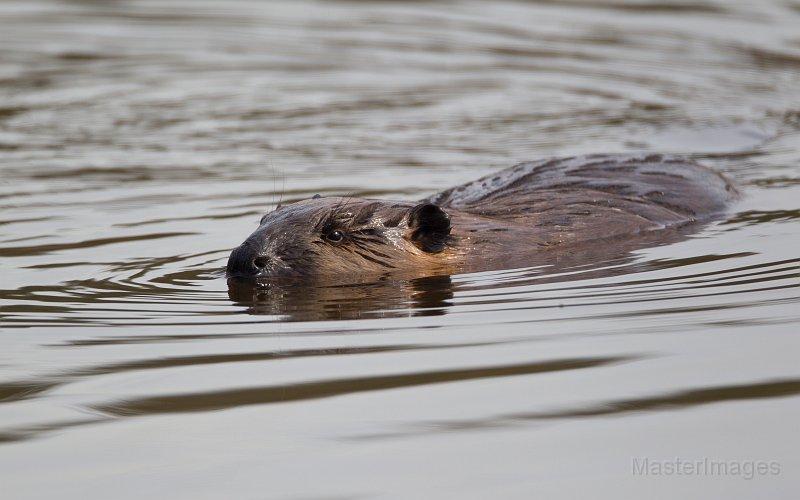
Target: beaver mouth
(248,262)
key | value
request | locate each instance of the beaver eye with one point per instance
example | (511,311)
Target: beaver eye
(335,236)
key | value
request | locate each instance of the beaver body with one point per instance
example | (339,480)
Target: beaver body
(552,205)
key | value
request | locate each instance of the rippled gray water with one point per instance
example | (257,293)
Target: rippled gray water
(140,141)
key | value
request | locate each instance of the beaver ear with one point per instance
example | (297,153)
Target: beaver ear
(429,227)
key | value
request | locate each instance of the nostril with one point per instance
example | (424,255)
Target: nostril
(261,262)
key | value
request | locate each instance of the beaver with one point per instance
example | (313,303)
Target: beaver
(549,207)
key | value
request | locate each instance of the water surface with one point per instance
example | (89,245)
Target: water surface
(141,140)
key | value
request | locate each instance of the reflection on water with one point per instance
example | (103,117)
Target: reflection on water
(426,296)
(141,140)
(335,387)
(666,402)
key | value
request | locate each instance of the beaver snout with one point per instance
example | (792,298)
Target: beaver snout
(246,261)
(256,257)
(249,260)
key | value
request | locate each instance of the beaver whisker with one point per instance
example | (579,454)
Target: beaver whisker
(370,231)
(371,259)
(379,254)
(365,214)
(359,245)
(369,239)
(342,205)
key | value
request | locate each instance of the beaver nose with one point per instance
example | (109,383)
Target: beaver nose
(261,262)
(245,260)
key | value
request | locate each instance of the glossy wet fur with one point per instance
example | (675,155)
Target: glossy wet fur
(530,208)
(342,236)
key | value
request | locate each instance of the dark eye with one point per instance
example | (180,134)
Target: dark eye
(334,236)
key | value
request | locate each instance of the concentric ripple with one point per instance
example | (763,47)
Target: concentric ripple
(141,140)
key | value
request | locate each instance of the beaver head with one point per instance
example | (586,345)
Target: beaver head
(338,236)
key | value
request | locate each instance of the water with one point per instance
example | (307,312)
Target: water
(140,141)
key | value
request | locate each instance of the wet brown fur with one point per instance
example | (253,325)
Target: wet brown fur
(533,207)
